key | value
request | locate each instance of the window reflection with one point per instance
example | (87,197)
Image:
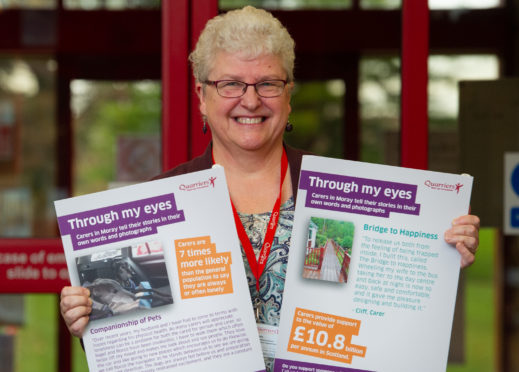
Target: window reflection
(445,72)
(379,95)
(117,133)
(16,212)
(467,4)
(364,4)
(27,190)
(380,106)
(286,4)
(31,4)
(28,163)
(232,4)
(110,4)
(381,4)
(318,117)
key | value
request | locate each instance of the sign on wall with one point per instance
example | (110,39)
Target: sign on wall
(32,266)
(511,193)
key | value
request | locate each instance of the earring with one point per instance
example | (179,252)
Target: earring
(204,125)
(288,127)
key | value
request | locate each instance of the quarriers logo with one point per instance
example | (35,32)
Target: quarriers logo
(198,185)
(444,186)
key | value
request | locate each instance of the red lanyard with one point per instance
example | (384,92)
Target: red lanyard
(258,266)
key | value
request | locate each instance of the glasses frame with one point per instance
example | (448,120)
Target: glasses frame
(246,86)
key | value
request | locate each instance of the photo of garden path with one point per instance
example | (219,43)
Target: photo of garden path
(328,250)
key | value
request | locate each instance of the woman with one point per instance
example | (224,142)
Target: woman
(243,65)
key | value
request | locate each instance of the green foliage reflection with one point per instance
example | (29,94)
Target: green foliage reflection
(317,117)
(104,111)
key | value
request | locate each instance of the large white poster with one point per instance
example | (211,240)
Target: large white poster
(163,264)
(371,283)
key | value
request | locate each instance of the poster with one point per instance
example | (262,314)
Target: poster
(371,284)
(163,264)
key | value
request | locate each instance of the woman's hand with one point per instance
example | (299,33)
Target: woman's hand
(75,307)
(464,234)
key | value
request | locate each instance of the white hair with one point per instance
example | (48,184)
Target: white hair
(249,31)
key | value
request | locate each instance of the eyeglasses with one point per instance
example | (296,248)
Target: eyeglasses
(235,88)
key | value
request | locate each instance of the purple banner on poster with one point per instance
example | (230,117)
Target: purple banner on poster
(120,222)
(285,365)
(358,195)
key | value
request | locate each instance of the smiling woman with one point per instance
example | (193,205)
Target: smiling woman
(243,66)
